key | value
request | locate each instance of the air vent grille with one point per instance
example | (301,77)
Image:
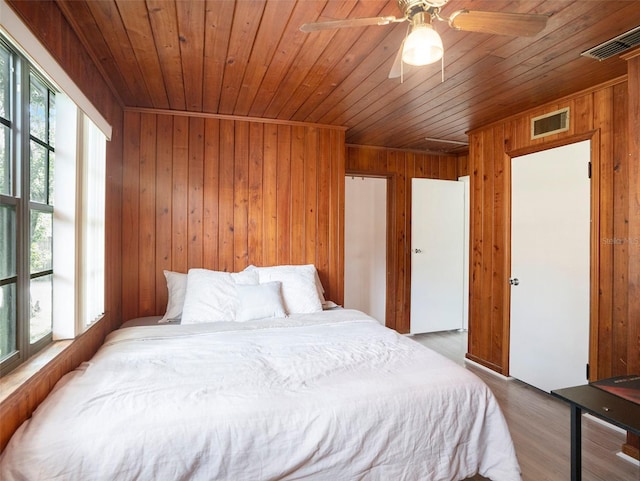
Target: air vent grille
(614,46)
(549,124)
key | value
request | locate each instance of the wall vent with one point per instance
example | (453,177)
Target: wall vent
(549,124)
(614,46)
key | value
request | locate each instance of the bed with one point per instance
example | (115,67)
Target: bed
(327,394)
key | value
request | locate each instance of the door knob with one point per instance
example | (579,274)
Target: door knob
(514,281)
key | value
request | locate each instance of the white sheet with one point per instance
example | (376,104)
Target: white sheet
(325,396)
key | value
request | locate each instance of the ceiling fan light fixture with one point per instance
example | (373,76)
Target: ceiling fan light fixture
(423,45)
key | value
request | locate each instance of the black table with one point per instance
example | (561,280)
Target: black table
(599,403)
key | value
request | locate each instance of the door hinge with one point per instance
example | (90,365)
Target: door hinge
(587,371)
(589,169)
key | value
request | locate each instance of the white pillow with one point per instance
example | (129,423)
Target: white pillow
(259,301)
(300,292)
(211,295)
(176,288)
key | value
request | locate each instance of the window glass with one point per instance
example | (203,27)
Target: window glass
(7,320)
(41,307)
(38,103)
(5,161)
(7,241)
(39,173)
(52,119)
(5,82)
(41,241)
(5,110)
(51,177)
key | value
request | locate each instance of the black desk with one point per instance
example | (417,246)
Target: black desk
(606,406)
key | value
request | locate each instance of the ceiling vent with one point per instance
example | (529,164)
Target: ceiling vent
(614,46)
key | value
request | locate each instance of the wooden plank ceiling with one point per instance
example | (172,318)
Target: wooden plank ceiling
(249,58)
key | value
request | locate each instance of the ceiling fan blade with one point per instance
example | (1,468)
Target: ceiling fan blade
(500,23)
(396,68)
(353,22)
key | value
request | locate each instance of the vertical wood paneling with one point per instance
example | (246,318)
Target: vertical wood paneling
(632,447)
(225,193)
(599,115)
(179,196)
(603,120)
(211,189)
(336,215)
(323,204)
(616,340)
(256,209)
(147,215)
(283,196)
(399,167)
(225,197)
(270,195)
(297,196)
(130,200)
(241,197)
(195,191)
(311,149)
(164,174)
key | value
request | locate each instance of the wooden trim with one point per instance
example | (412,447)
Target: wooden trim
(205,115)
(572,139)
(415,151)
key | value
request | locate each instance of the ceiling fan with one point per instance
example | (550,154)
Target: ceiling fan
(422,44)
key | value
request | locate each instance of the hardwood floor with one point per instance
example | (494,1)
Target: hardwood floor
(539,425)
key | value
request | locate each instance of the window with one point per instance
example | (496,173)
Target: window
(51,240)
(27,107)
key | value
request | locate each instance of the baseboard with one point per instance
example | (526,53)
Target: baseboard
(628,458)
(486,369)
(613,427)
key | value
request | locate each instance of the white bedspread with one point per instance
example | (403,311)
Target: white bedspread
(329,396)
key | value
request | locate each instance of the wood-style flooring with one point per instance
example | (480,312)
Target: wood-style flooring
(539,425)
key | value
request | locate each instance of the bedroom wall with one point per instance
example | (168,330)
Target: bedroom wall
(600,114)
(30,386)
(399,167)
(222,193)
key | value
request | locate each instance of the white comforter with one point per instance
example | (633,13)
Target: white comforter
(330,396)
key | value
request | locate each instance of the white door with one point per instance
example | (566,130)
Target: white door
(437,253)
(365,246)
(550,245)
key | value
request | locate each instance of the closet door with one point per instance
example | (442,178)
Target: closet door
(550,275)
(437,255)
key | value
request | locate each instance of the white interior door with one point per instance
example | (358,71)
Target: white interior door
(437,253)
(365,246)
(550,246)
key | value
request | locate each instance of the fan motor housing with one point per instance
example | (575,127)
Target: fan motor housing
(410,6)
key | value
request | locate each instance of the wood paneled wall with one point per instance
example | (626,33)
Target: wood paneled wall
(48,24)
(399,167)
(224,193)
(600,114)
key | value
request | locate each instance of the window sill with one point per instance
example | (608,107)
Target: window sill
(22,374)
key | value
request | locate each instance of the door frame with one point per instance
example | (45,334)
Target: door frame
(594,258)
